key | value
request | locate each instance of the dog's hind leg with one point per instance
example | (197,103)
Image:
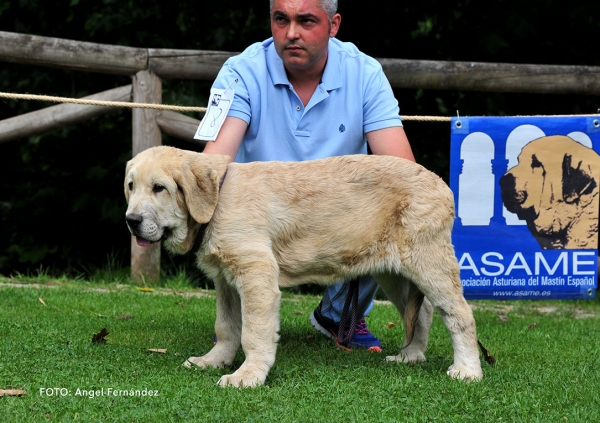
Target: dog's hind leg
(416,312)
(228,328)
(435,271)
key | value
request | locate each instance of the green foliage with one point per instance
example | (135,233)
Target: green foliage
(61,202)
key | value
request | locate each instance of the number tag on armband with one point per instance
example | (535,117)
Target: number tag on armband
(218,107)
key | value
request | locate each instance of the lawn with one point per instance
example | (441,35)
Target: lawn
(547,362)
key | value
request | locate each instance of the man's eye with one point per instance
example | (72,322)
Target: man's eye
(130,185)
(157,188)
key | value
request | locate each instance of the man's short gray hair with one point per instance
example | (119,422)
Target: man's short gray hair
(329,6)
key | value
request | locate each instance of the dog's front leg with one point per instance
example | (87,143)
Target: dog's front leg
(260,297)
(228,328)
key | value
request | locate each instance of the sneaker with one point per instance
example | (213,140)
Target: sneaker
(362,338)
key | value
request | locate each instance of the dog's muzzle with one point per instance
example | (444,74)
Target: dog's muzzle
(134,222)
(513,198)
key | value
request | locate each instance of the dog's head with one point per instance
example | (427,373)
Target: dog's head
(553,183)
(169,193)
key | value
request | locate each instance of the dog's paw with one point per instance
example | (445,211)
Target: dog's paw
(242,380)
(409,357)
(203,362)
(465,373)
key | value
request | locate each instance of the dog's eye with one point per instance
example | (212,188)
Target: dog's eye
(535,162)
(130,185)
(157,188)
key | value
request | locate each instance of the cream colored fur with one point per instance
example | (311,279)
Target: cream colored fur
(275,224)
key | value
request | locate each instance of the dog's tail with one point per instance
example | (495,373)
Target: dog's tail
(411,312)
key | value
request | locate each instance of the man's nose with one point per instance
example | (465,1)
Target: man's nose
(293,31)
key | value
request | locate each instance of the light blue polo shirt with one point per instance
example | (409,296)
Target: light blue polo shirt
(353,98)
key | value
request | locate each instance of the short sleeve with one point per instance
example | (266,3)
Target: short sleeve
(240,108)
(380,108)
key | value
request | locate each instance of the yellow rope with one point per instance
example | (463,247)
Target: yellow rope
(100,102)
(427,118)
(156,106)
(182,108)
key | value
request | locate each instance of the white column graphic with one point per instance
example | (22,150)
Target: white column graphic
(476,186)
(582,138)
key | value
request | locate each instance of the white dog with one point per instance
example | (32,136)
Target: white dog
(265,225)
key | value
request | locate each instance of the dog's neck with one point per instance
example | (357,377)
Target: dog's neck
(203,226)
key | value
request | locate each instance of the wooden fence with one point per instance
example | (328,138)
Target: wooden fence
(147,67)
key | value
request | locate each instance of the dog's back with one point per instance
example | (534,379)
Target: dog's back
(328,218)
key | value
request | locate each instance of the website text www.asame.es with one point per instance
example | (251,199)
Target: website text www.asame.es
(521,293)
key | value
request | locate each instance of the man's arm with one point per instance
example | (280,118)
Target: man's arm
(390,141)
(229,139)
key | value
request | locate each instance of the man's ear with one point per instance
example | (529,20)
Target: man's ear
(199,179)
(336,20)
(576,181)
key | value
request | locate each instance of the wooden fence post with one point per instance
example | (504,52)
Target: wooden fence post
(147,88)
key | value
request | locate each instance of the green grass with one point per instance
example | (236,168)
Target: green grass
(547,369)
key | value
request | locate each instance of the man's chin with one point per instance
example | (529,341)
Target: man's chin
(300,60)
(295,61)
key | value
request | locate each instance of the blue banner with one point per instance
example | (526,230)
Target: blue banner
(527,204)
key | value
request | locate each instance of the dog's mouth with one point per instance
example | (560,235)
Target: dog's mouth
(143,242)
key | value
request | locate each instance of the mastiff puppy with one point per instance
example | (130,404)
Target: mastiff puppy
(260,226)
(554,188)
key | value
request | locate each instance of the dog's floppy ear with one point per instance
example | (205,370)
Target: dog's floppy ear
(199,179)
(577,181)
(126,185)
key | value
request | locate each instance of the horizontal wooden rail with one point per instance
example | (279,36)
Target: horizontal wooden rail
(68,54)
(55,117)
(199,64)
(179,126)
(186,64)
(494,77)
(104,58)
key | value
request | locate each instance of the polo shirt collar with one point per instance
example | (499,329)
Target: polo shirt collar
(332,76)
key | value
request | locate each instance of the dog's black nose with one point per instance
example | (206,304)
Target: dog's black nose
(511,197)
(133,220)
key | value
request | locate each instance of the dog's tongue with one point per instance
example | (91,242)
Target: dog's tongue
(142,242)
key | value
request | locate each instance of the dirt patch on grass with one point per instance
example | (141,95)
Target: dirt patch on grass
(502,308)
(563,308)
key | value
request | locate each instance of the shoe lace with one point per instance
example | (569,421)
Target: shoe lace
(361,328)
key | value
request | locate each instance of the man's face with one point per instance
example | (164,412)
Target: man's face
(301,31)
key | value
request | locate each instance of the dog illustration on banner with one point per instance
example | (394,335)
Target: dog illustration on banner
(554,188)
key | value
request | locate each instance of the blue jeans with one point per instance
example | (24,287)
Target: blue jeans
(334,298)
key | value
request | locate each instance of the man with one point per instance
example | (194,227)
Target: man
(303,95)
